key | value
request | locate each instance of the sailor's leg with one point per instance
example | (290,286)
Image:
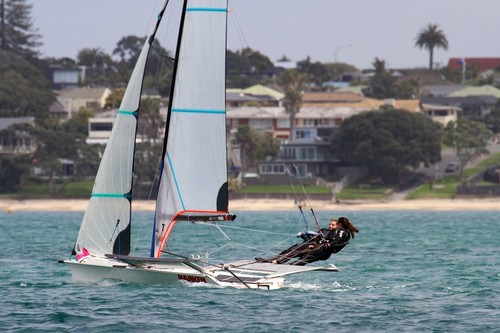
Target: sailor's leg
(312,256)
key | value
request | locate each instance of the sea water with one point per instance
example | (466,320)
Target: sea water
(406,271)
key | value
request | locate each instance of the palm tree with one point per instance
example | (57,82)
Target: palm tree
(429,38)
(293,83)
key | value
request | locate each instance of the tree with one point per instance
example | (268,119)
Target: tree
(382,84)
(128,50)
(255,145)
(17,33)
(12,169)
(150,124)
(96,62)
(336,69)
(115,98)
(317,71)
(293,83)
(245,66)
(24,90)
(429,38)
(468,138)
(387,142)
(79,122)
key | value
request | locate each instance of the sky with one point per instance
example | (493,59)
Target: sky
(350,31)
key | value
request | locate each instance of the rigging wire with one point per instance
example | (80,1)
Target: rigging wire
(307,198)
(297,202)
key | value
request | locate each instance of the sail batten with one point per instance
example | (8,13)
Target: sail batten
(206,9)
(199,111)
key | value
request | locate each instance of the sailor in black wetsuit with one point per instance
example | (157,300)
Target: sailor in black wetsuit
(318,246)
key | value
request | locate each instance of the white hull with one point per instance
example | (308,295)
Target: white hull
(93,269)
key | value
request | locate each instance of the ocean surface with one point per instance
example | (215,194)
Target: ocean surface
(406,271)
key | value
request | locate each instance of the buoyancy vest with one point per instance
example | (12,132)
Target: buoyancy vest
(335,239)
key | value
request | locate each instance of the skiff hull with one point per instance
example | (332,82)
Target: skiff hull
(96,269)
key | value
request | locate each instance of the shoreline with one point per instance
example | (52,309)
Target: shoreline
(477,204)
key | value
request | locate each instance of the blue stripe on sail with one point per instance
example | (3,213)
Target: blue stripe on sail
(198,111)
(109,195)
(175,181)
(205,9)
(127,113)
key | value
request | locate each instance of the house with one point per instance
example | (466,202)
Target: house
(477,64)
(473,107)
(57,109)
(327,98)
(257,95)
(442,114)
(274,120)
(440,90)
(485,90)
(356,101)
(63,77)
(16,142)
(309,147)
(76,98)
(100,126)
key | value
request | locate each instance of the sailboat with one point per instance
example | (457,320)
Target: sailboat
(195,135)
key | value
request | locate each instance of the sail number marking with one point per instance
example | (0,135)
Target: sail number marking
(192,279)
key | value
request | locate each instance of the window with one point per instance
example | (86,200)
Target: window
(269,169)
(305,134)
(283,123)
(307,153)
(101,126)
(261,123)
(315,122)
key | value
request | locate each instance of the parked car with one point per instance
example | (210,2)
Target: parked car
(452,167)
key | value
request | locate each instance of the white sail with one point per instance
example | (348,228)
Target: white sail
(194,175)
(106,224)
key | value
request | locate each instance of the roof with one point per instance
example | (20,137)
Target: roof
(352,89)
(485,90)
(440,89)
(324,113)
(374,104)
(7,122)
(235,96)
(57,106)
(110,114)
(459,100)
(260,90)
(248,112)
(305,112)
(440,107)
(84,93)
(331,97)
(482,64)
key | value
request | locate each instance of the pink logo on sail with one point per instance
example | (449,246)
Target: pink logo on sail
(82,255)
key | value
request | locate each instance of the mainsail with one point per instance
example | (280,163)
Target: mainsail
(106,224)
(194,166)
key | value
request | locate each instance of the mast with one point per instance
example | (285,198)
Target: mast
(174,75)
(167,122)
(2,24)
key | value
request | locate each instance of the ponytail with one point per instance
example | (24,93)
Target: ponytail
(346,224)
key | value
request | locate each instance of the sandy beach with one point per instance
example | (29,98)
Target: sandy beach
(7,205)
